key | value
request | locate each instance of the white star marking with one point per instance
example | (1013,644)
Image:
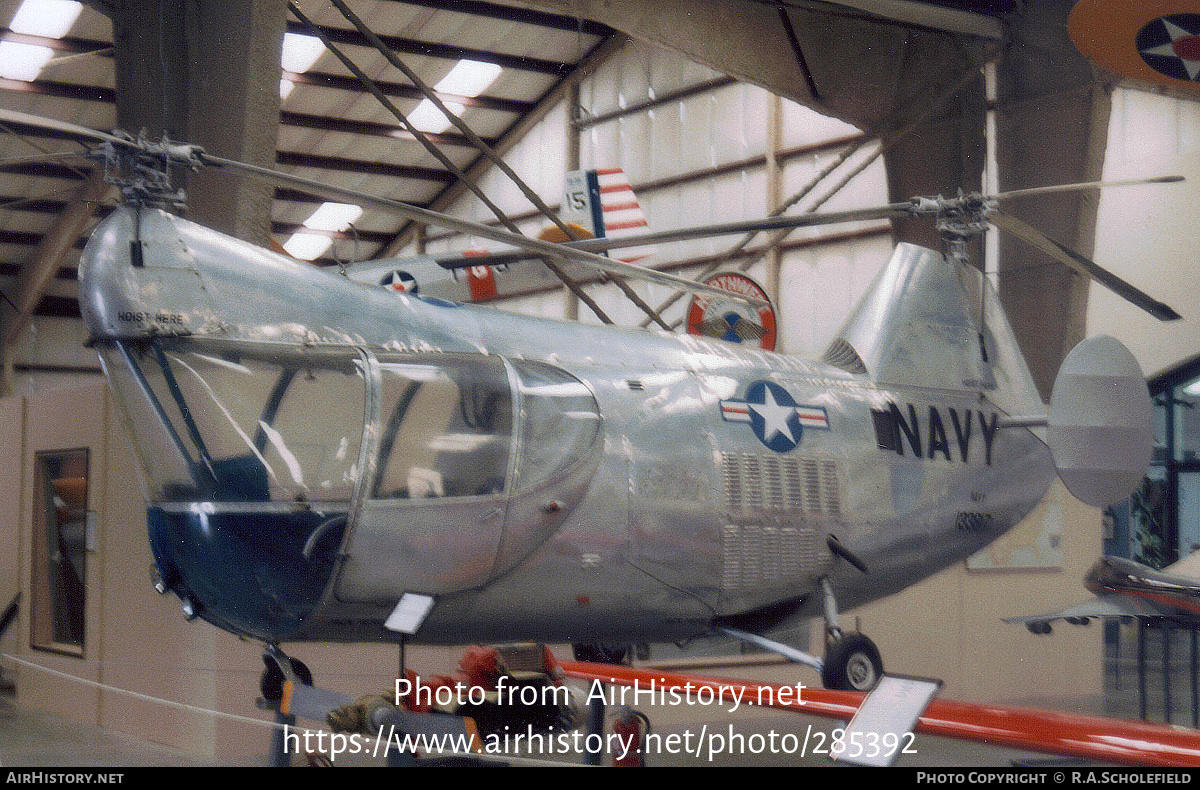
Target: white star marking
(1168,50)
(775,417)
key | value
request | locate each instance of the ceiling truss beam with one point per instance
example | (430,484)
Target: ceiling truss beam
(49,255)
(430,49)
(512,14)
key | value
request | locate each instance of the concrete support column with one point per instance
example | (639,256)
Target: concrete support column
(206,73)
(941,156)
(1050,140)
(6,363)
(1051,128)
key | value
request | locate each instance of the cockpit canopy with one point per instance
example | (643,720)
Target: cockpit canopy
(217,421)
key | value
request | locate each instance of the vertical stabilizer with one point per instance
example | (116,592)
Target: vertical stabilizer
(603,202)
(919,325)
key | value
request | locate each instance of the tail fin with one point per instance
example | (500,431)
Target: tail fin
(929,322)
(603,202)
(1101,423)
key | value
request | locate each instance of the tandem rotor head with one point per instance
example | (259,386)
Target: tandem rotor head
(143,169)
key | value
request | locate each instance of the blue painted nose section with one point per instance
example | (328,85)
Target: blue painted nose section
(247,572)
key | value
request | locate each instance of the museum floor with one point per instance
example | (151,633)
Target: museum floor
(33,738)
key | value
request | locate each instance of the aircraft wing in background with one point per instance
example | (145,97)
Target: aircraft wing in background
(1104,606)
(1125,588)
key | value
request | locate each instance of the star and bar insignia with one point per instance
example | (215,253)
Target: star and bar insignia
(1154,41)
(399,280)
(774,416)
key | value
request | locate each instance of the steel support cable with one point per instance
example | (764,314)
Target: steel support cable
(497,161)
(374,89)
(435,151)
(877,132)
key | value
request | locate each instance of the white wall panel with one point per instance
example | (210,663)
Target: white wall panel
(671,72)
(697,117)
(600,144)
(635,149)
(818,286)
(1141,230)
(677,138)
(803,126)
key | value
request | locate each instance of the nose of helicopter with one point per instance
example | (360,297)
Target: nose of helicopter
(137,278)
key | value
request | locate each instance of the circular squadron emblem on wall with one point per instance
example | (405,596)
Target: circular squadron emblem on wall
(730,320)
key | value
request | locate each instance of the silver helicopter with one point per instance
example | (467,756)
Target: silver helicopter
(330,460)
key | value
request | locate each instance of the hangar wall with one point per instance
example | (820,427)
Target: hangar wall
(706,157)
(1144,232)
(712,150)
(698,146)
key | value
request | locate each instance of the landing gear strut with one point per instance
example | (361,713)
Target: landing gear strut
(279,667)
(852,662)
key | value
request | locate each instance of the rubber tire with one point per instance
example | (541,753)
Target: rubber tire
(852,663)
(601,652)
(271,682)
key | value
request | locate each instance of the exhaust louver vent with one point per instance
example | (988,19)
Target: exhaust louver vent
(778,483)
(755,556)
(842,355)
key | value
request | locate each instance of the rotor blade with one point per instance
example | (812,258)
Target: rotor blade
(755,225)
(453,262)
(73,130)
(604,244)
(419,214)
(1086,185)
(412,212)
(48,157)
(1081,264)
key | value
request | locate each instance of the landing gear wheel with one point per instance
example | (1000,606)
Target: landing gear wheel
(271,682)
(852,663)
(601,652)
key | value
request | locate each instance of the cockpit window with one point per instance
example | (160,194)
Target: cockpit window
(561,422)
(217,421)
(236,425)
(446,428)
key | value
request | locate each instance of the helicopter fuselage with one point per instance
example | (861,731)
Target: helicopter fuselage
(315,449)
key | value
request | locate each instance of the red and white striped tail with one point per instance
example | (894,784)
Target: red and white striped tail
(603,200)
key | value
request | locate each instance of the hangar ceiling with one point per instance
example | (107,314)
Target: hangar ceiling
(329,127)
(885,65)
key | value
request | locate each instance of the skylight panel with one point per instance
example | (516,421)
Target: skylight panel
(300,52)
(469,78)
(307,246)
(23,61)
(46,18)
(333,216)
(329,217)
(428,118)
(49,18)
